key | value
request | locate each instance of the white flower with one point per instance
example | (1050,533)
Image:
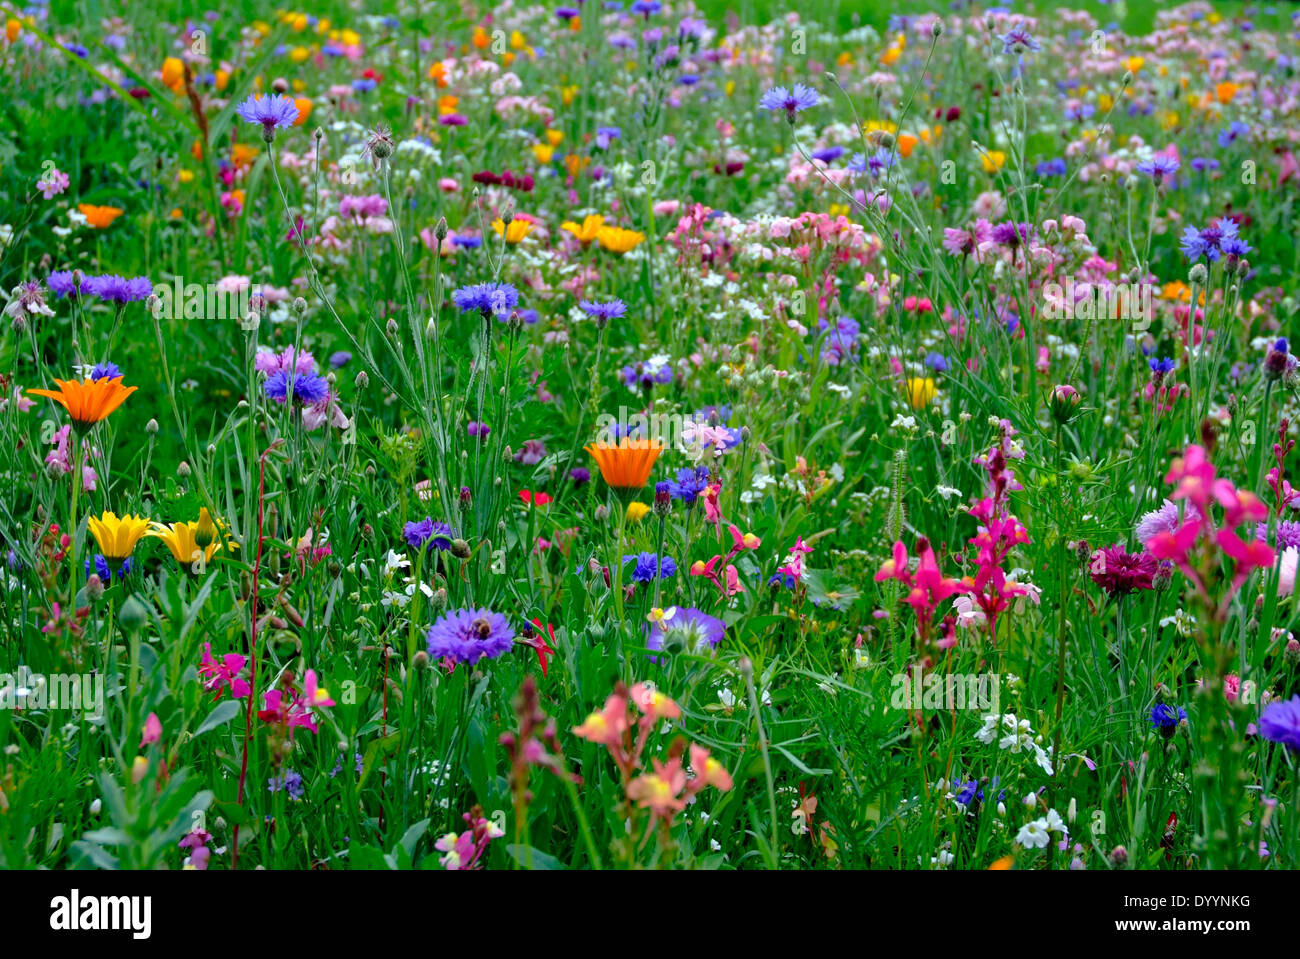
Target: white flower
(1055,823)
(1031,800)
(1033,835)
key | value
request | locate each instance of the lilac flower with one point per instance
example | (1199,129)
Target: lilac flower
(648,565)
(270,112)
(690,483)
(1164,520)
(606,135)
(1209,242)
(790,100)
(468,635)
(487,298)
(1288,534)
(1017,40)
(428,534)
(61,283)
(610,310)
(290,782)
(686,630)
(531,453)
(478,429)
(1158,167)
(1280,723)
(341,358)
(305,388)
(116,289)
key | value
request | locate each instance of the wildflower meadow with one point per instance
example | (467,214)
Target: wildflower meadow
(647,435)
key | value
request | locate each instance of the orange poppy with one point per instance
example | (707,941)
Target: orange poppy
(626,466)
(88,401)
(100,217)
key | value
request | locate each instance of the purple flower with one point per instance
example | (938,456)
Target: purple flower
(290,782)
(1164,520)
(687,630)
(1288,533)
(1119,573)
(789,100)
(606,135)
(305,388)
(271,112)
(1235,129)
(648,565)
(1158,167)
(531,453)
(428,534)
(1280,723)
(61,283)
(604,311)
(580,476)
(468,635)
(1012,234)
(1209,242)
(1164,716)
(487,298)
(690,483)
(116,289)
(1017,40)
(828,154)
(478,429)
(340,358)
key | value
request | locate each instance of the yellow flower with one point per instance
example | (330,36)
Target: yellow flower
(12,29)
(515,232)
(543,152)
(588,231)
(567,95)
(298,22)
(993,160)
(618,240)
(173,75)
(1134,64)
(555,137)
(517,40)
(242,156)
(636,510)
(1104,102)
(447,104)
(576,164)
(299,54)
(180,540)
(185,176)
(117,537)
(920,392)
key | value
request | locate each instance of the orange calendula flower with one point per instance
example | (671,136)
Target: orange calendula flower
(1226,91)
(88,401)
(304,106)
(117,537)
(100,217)
(618,240)
(588,231)
(515,232)
(626,466)
(173,74)
(905,144)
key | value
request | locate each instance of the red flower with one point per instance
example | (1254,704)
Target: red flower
(534,638)
(538,499)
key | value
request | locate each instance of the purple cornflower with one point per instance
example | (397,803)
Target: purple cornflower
(428,534)
(487,298)
(105,371)
(270,112)
(648,565)
(1017,40)
(789,100)
(116,289)
(1280,723)
(1288,533)
(61,283)
(306,388)
(468,635)
(1208,242)
(290,782)
(690,483)
(828,154)
(646,375)
(340,358)
(1164,520)
(1158,167)
(1012,234)
(687,630)
(478,429)
(610,310)
(580,476)
(531,453)
(1120,573)
(1235,129)
(1164,716)
(606,135)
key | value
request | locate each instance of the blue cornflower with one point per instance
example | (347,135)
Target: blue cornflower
(468,635)
(792,101)
(1158,167)
(604,311)
(340,358)
(1054,167)
(104,371)
(428,534)
(690,483)
(61,283)
(1208,242)
(270,112)
(117,289)
(290,782)
(1161,364)
(648,565)
(606,135)
(937,362)
(306,388)
(828,154)
(487,298)
(1018,40)
(1235,130)
(105,571)
(1164,716)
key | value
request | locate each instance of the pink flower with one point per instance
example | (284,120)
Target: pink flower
(223,674)
(152,730)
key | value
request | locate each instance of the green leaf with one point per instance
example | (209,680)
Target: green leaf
(223,714)
(539,859)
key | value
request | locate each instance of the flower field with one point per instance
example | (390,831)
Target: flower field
(640,435)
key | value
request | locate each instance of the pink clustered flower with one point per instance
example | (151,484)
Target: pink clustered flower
(61,458)
(53,184)
(1196,482)
(719,567)
(223,674)
(665,788)
(999,533)
(465,851)
(290,709)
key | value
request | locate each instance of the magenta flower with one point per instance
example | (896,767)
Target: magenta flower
(223,674)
